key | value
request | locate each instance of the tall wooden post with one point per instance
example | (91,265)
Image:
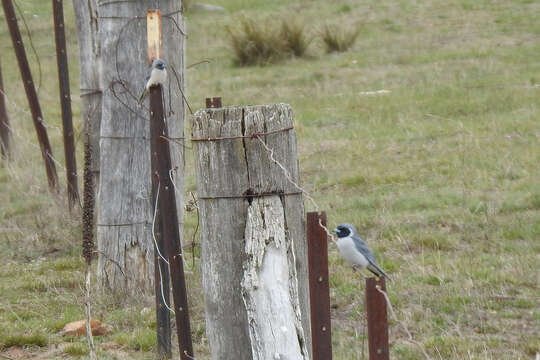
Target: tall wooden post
(65,101)
(4,121)
(89,77)
(253,240)
(377,319)
(31,94)
(125,208)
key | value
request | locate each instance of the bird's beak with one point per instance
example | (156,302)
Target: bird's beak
(335,230)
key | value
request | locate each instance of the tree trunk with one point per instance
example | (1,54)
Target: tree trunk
(125,209)
(242,238)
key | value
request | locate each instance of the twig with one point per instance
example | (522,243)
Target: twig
(89,336)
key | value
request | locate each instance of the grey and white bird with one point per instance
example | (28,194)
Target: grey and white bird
(157,75)
(355,251)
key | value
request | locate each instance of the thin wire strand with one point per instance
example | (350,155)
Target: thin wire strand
(411,340)
(161,286)
(154,225)
(158,251)
(31,44)
(288,176)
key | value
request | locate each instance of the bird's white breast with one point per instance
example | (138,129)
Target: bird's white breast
(350,253)
(157,77)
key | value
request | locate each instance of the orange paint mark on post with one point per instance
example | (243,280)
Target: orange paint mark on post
(153,33)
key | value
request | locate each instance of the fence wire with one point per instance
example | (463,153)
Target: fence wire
(117,88)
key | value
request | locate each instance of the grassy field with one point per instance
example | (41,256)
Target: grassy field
(441,175)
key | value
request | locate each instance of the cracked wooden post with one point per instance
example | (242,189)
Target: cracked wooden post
(253,248)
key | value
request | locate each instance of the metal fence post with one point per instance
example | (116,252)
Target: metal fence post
(319,292)
(377,319)
(164,191)
(65,101)
(31,94)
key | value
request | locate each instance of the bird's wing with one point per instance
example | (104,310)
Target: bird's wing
(363,248)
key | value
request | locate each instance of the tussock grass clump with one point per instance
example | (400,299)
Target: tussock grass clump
(294,38)
(22,340)
(260,43)
(338,39)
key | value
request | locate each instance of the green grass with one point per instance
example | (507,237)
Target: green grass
(440,175)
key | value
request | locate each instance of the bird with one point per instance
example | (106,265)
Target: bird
(355,251)
(157,75)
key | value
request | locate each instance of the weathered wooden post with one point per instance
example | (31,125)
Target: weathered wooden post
(31,94)
(89,77)
(377,319)
(253,260)
(125,208)
(65,101)
(4,121)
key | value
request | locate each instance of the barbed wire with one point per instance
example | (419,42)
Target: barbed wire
(288,176)
(395,318)
(258,136)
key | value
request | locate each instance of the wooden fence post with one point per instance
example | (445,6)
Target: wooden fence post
(124,208)
(4,121)
(319,292)
(31,94)
(65,100)
(377,319)
(253,244)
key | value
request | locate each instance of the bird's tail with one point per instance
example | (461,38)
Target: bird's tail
(377,271)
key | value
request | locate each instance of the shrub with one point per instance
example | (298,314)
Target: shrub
(338,40)
(260,43)
(254,43)
(293,38)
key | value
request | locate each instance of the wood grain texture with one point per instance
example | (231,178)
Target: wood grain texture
(269,286)
(89,75)
(124,203)
(235,167)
